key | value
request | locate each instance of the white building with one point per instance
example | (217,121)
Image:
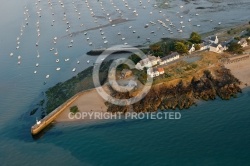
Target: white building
(191,49)
(213,40)
(218,48)
(169,58)
(153,72)
(243,42)
(148,62)
(204,46)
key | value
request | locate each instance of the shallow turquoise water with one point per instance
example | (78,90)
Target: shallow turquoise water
(213,133)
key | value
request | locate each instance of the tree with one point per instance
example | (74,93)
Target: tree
(181,48)
(235,48)
(195,38)
(74,109)
(135,58)
(155,47)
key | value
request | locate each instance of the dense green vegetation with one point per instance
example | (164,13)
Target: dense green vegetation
(181,48)
(167,45)
(235,48)
(195,38)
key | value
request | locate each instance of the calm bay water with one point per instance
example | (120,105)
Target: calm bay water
(213,133)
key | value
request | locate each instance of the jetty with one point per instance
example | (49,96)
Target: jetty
(47,120)
(118,50)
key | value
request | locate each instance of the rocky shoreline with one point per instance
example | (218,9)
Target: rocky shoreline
(219,83)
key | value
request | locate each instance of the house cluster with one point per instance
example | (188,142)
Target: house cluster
(151,62)
(243,42)
(154,72)
(213,44)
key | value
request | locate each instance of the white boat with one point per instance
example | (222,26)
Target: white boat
(38,55)
(19,57)
(35,72)
(11,54)
(72,41)
(90,43)
(78,62)
(56,53)
(51,49)
(123,38)
(74,69)
(37,64)
(38,122)
(19,62)
(88,61)
(66,60)
(105,42)
(47,76)
(57,60)
(58,68)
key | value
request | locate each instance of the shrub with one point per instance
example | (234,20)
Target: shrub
(195,38)
(74,109)
(235,48)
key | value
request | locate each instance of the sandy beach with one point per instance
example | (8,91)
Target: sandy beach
(241,70)
(90,101)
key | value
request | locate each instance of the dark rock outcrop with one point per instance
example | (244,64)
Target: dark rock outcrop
(221,83)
